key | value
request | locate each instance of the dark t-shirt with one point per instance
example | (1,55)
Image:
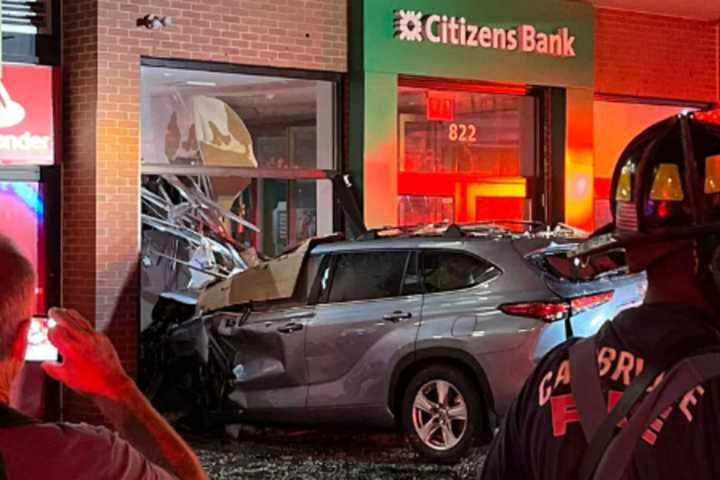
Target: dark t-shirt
(63,451)
(541,438)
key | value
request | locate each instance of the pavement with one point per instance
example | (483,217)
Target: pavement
(293,454)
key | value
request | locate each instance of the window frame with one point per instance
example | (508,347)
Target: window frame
(498,272)
(290,175)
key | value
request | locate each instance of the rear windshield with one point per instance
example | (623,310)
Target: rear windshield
(599,266)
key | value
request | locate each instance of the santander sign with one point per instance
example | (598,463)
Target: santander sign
(26,115)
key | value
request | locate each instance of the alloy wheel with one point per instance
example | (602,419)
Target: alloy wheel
(439,415)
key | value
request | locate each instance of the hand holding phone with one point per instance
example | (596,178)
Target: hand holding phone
(90,363)
(39,348)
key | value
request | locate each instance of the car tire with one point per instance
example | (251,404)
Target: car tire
(433,426)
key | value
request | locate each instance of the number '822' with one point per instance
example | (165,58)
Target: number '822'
(462,132)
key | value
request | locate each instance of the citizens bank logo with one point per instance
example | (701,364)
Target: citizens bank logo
(414,26)
(11,112)
(409,26)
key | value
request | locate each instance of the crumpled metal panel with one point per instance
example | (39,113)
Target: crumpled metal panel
(186,242)
(275,279)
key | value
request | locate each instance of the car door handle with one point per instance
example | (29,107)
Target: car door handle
(397,316)
(290,328)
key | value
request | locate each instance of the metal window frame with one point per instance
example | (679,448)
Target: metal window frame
(47,29)
(652,101)
(42,48)
(244,172)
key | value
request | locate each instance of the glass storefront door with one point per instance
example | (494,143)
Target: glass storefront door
(29,217)
(464,155)
(22,218)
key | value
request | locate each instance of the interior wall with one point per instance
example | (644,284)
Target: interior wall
(616,123)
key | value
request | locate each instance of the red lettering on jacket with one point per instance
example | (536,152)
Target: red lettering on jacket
(564,411)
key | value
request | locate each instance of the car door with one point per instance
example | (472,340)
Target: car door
(367,316)
(460,298)
(268,350)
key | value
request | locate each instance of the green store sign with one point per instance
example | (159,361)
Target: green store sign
(539,42)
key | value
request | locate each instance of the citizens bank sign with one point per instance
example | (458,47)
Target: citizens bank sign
(26,115)
(416,26)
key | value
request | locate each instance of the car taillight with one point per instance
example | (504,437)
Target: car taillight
(555,311)
(547,311)
(581,304)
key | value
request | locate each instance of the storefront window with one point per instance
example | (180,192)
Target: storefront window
(22,217)
(480,133)
(415,210)
(464,156)
(201,118)
(236,169)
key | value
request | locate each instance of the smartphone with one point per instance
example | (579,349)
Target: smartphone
(39,348)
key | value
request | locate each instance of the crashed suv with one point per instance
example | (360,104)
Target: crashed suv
(434,333)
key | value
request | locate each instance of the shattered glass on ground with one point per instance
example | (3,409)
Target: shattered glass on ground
(292,454)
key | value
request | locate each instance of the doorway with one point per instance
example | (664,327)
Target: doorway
(467,153)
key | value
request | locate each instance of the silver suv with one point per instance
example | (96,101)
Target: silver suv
(435,334)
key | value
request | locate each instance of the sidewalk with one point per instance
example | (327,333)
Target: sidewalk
(278,454)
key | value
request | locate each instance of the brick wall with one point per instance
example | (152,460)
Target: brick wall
(79,172)
(655,56)
(103,49)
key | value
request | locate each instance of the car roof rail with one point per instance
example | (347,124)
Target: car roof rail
(368,235)
(454,231)
(493,229)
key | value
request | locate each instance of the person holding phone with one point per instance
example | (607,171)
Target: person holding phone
(144,447)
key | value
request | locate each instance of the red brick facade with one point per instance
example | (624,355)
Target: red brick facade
(79,209)
(655,56)
(103,47)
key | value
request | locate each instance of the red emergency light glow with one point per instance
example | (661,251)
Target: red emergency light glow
(440,108)
(710,116)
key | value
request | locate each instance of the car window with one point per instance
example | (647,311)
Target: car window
(367,276)
(444,271)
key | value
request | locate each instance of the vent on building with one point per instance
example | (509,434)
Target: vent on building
(27,16)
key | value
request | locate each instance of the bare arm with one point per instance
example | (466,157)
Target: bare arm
(91,365)
(144,428)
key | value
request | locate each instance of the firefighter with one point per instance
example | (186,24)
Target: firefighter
(666,216)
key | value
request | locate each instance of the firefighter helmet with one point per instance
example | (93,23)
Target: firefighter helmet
(666,184)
